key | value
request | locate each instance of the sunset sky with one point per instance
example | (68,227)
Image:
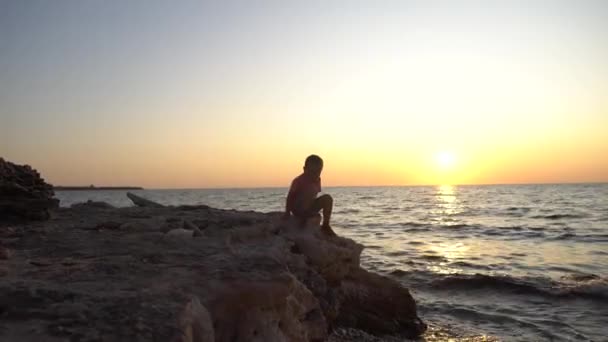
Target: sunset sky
(181,94)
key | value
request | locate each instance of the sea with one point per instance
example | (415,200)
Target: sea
(514,262)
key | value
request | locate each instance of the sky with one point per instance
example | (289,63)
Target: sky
(191,94)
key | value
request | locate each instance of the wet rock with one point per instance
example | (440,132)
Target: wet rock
(378,305)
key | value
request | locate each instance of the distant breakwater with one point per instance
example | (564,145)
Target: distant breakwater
(93,188)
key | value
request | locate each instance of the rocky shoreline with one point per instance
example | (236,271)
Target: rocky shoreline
(23,193)
(190,273)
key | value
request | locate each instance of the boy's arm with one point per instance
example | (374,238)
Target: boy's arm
(290,201)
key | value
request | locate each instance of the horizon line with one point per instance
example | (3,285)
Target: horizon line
(328,186)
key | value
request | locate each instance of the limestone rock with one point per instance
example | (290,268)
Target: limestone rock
(250,278)
(277,309)
(195,323)
(333,258)
(378,305)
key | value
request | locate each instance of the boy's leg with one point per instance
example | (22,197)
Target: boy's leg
(325,203)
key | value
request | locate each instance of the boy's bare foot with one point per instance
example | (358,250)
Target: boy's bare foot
(326,229)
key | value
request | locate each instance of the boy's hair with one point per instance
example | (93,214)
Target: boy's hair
(313,159)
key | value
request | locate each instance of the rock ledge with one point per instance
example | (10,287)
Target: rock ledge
(192,273)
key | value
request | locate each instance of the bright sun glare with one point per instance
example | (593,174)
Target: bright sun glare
(445,159)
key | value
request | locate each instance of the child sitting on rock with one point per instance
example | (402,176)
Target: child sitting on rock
(302,200)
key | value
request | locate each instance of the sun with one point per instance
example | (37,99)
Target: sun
(445,159)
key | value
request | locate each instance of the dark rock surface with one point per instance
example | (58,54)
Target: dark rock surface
(23,193)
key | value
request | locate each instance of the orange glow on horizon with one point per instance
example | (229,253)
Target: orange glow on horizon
(192,170)
(413,94)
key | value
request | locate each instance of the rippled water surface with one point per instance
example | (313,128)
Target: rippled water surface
(521,262)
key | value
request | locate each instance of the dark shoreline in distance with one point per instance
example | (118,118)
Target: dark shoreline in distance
(93,188)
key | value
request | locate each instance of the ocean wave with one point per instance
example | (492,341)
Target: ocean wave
(526,209)
(583,237)
(595,288)
(460,226)
(573,286)
(470,265)
(536,234)
(507,228)
(415,227)
(558,216)
(514,211)
(525,329)
(415,224)
(435,258)
(478,315)
(416,230)
(565,236)
(481,281)
(415,242)
(580,277)
(397,253)
(399,272)
(348,211)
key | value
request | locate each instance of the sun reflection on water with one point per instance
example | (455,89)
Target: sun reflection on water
(446,194)
(449,252)
(447,204)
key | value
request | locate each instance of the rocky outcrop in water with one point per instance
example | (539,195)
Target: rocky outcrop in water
(94,273)
(23,193)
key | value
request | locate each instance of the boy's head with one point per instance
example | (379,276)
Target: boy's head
(313,165)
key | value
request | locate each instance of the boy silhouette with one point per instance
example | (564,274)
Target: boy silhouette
(302,200)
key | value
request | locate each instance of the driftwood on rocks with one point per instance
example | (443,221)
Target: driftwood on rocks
(23,193)
(143,202)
